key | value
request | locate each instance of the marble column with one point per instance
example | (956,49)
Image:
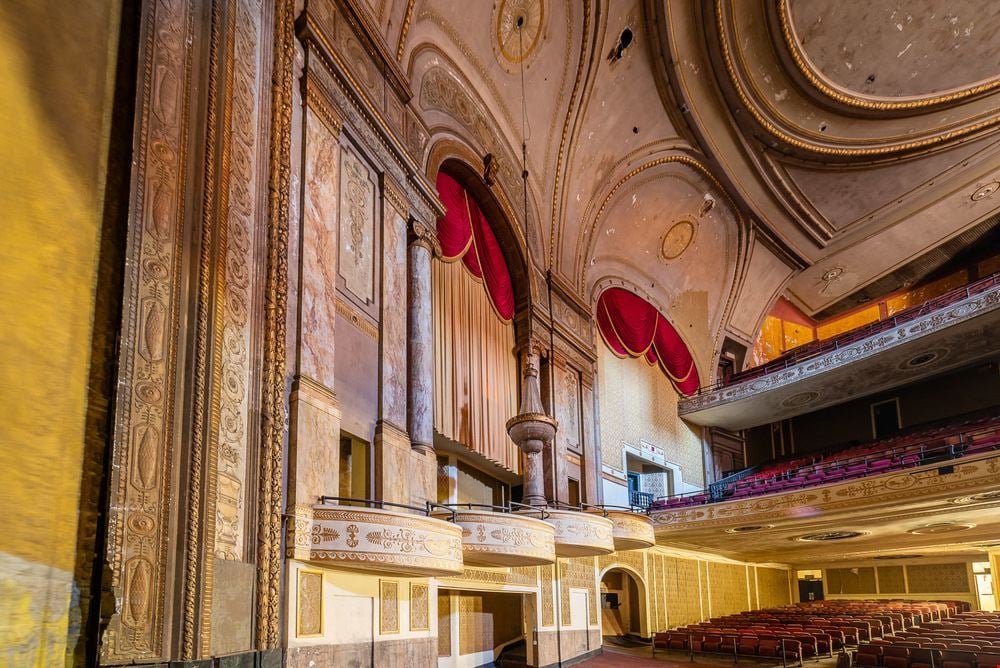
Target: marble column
(420,402)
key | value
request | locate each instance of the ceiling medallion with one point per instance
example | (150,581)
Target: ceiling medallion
(986,191)
(676,240)
(517,42)
(941,527)
(800,399)
(831,277)
(750,528)
(831,535)
(974,498)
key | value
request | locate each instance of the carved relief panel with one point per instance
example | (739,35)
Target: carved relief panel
(358,210)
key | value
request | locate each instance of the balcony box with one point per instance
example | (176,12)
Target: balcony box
(579,534)
(387,541)
(505,539)
(631,531)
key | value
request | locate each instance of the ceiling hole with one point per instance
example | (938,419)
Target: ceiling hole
(626,38)
(520,21)
(822,127)
(635,131)
(871,78)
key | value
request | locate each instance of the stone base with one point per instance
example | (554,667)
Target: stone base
(409,652)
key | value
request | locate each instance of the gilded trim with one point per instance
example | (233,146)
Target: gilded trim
(801,61)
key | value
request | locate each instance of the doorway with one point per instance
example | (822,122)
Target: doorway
(623,607)
(810,585)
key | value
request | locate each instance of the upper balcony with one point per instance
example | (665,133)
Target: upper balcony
(957,328)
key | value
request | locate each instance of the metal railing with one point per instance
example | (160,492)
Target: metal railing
(640,499)
(426,509)
(816,348)
(512,507)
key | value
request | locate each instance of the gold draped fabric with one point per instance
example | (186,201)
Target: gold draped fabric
(475,372)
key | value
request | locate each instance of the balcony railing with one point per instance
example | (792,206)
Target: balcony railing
(640,499)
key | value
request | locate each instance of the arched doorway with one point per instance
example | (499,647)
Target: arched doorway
(623,606)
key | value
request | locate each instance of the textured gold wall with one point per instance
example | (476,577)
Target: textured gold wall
(728,588)
(58,61)
(773,587)
(937,578)
(890,580)
(851,580)
(638,403)
(487,620)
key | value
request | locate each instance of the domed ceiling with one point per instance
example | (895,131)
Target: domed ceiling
(711,155)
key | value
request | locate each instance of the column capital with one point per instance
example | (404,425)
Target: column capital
(424,235)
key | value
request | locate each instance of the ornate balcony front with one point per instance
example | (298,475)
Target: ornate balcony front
(491,538)
(404,542)
(631,531)
(578,534)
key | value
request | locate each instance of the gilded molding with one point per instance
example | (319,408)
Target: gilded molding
(505,539)
(802,63)
(275,302)
(822,149)
(393,194)
(405,30)
(318,101)
(357,319)
(142,449)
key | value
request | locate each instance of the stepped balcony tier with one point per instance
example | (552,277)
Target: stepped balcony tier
(495,536)
(577,533)
(379,536)
(630,530)
(958,328)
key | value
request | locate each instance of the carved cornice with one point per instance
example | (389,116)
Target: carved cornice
(318,101)
(371,36)
(405,29)
(347,95)
(970,307)
(395,196)
(426,236)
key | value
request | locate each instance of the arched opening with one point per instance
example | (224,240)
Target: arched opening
(623,607)
(477,288)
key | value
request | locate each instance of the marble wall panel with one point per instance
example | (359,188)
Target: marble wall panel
(394,370)
(319,250)
(314,440)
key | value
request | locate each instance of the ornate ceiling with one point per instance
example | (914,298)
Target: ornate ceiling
(733,151)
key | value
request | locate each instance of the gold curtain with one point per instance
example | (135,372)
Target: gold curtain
(475,373)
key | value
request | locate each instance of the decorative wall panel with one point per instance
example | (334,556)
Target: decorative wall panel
(567,382)
(682,591)
(578,573)
(358,211)
(444,623)
(388,607)
(419,607)
(850,580)
(772,587)
(938,578)
(891,580)
(728,588)
(547,595)
(309,612)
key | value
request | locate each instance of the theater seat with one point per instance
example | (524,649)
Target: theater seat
(951,658)
(868,655)
(895,656)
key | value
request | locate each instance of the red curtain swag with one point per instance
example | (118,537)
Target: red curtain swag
(465,233)
(632,327)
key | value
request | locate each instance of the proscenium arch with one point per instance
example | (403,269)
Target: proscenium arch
(606,282)
(644,630)
(458,160)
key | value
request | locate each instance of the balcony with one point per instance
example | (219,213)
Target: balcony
(630,530)
(577,533)
(495,536)
(641,500)
(391,538)
(958,328)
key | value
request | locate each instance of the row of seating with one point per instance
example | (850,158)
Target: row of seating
(899,656)
(822,628)
(970,436)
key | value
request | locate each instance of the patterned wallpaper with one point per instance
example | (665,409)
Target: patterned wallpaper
(772,587)
(681,591)
(850,580)
(890,580)
(727,588)
(578,573)
(638,403)
(938,578)
(487,620)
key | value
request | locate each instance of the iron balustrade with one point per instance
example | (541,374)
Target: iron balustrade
(426,510)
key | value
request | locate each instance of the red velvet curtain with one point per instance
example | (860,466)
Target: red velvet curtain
(465,233)
(632,327)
